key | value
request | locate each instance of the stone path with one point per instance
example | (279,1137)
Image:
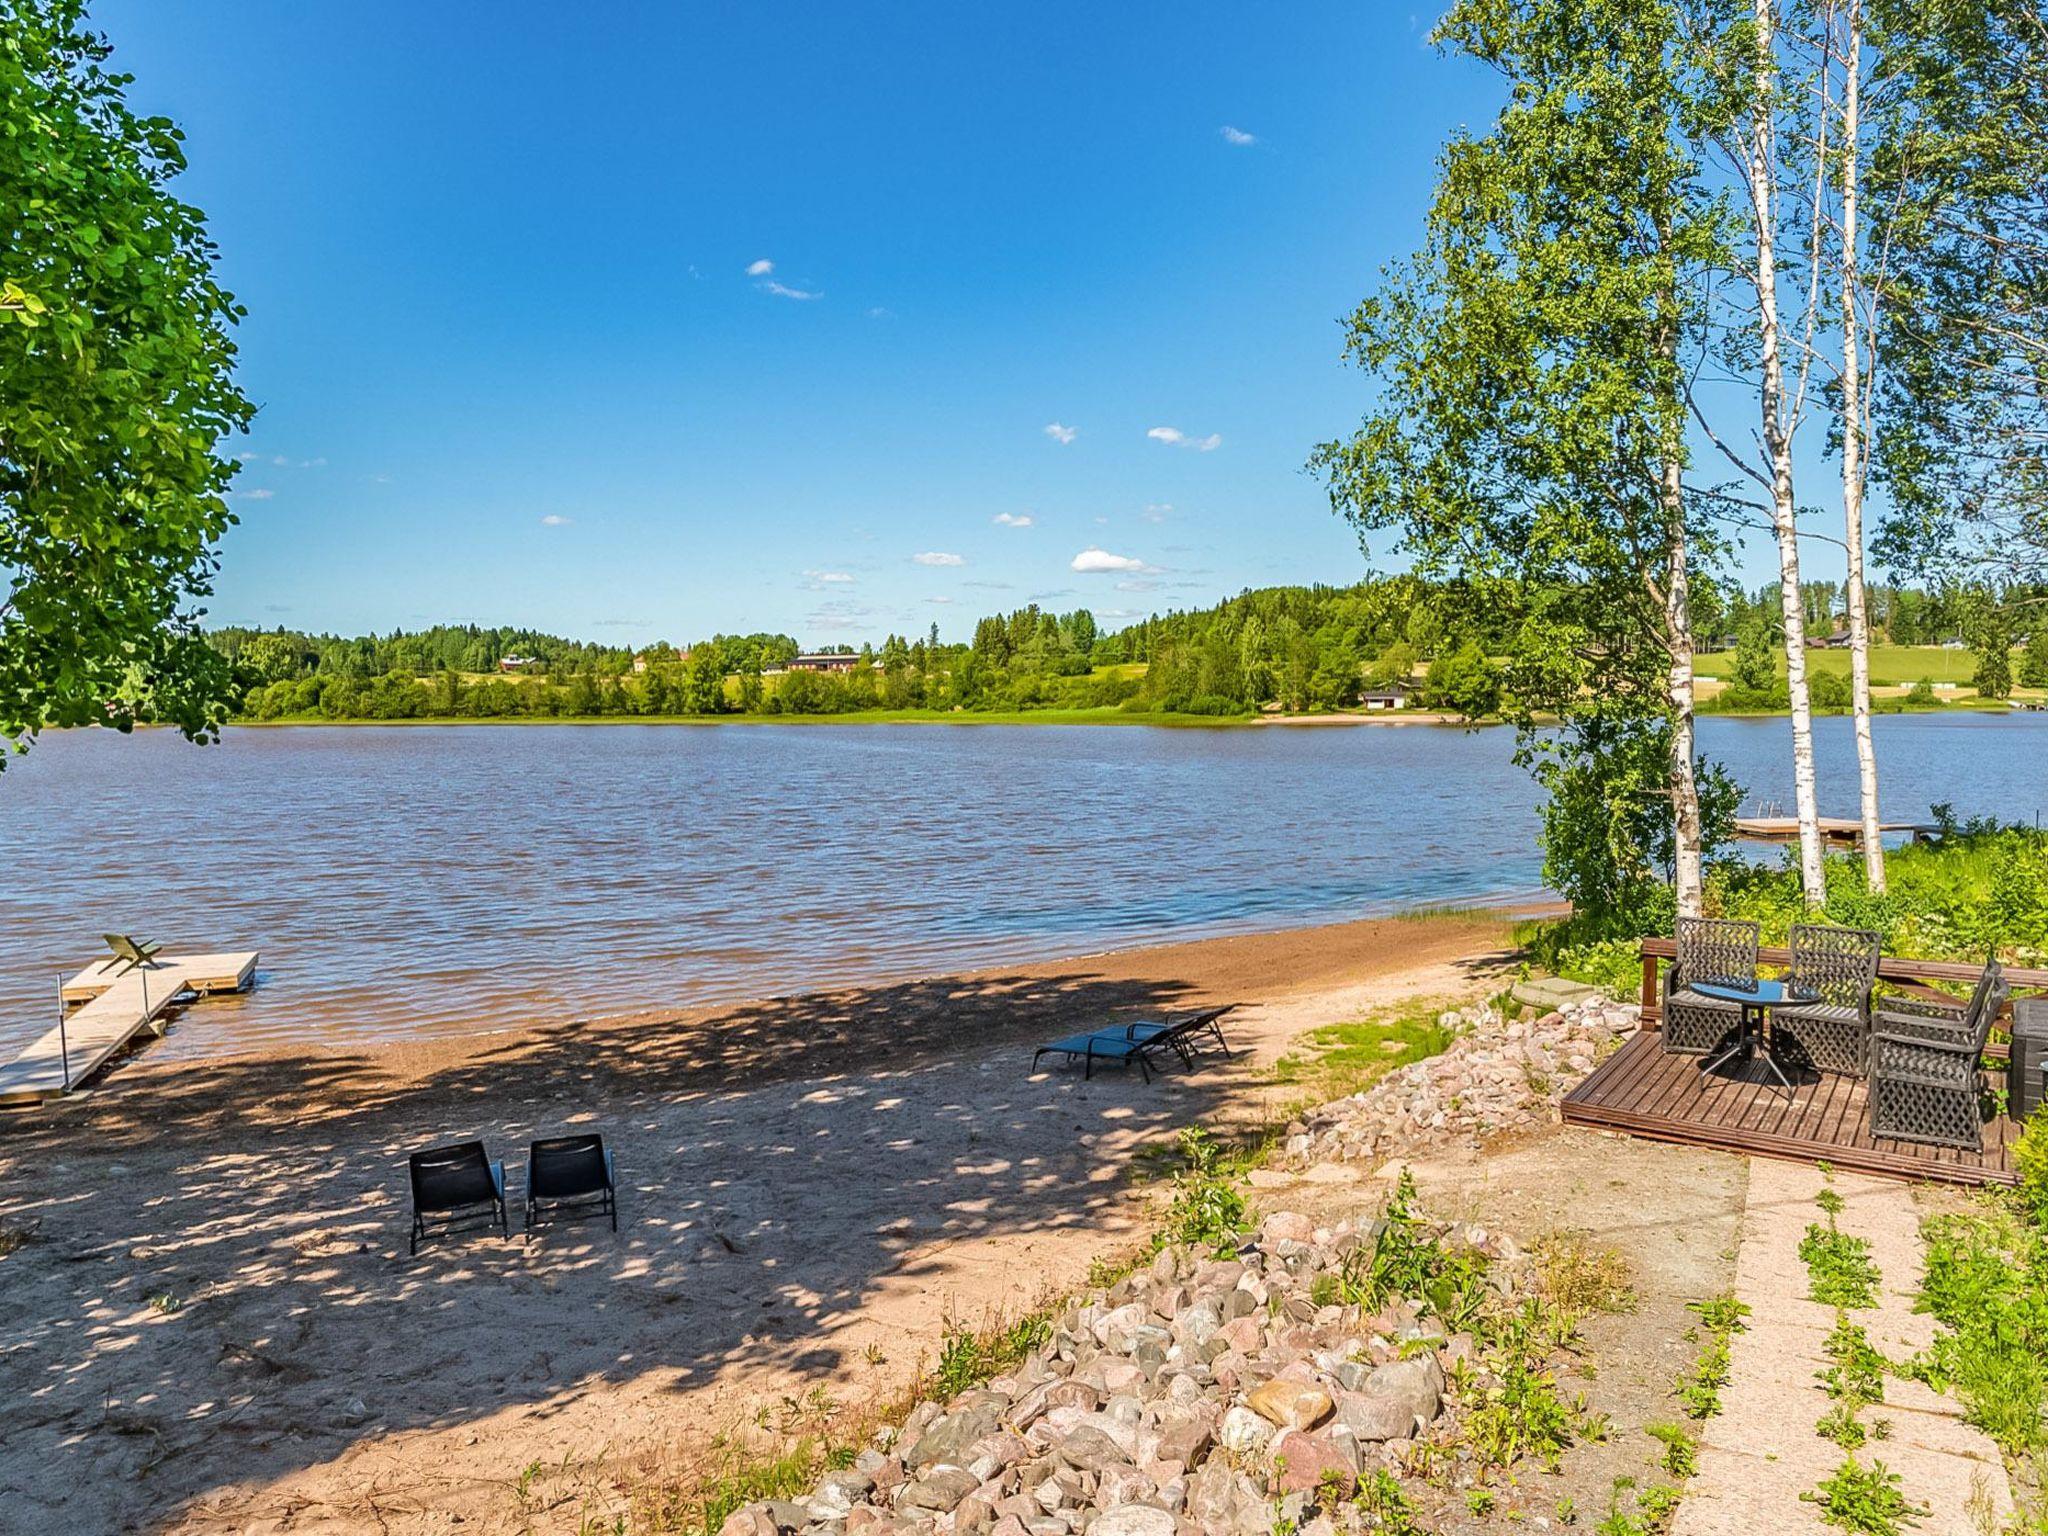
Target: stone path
(1761,1452)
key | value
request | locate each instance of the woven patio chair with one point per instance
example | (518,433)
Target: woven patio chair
(1716,951)
(1923,1066)
(1827,1026)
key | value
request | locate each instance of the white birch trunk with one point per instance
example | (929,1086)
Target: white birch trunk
(1685,791)
(1853,454)
(1778,445)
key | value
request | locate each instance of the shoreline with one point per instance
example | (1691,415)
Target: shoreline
(813,1189)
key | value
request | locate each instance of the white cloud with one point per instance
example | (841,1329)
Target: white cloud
(881,312)
(556,520)
(1093,559)
(1060,433)
(942,601)
(939,557)
(784,291)
(829,577)
(760,268)
(1157,511)
(1174,437)
(1012,519)
(260,493)
(1238,136)
(1136,585)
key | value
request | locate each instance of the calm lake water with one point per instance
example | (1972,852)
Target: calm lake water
(413,880)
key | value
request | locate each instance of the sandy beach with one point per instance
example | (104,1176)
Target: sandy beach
(213,1324)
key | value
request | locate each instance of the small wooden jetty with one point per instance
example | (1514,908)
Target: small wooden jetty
(1835,831)
(113,1005)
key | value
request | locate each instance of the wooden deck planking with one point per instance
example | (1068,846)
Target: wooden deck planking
(112,1011)
(1646,1092)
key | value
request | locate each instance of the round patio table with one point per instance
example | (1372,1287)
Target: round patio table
(1749,1042)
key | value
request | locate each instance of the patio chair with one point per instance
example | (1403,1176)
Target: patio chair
(1826,1026)
(1718,952)
(569,1178)
(132,955)
(1201,1026)
(1923,1065)
(456,1189)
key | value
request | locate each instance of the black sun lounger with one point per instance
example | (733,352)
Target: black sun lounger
(1139,1042)
(456,1189)
(568,1178)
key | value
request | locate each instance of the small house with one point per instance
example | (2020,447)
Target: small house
(1394,696)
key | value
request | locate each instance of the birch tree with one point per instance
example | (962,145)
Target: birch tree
(1530,436)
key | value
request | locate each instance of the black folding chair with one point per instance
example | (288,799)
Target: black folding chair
(569,1178)
(457,1189)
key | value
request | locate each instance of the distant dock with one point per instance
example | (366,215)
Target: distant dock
(1835,831)
(110,1007)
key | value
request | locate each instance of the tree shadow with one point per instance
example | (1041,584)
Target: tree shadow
(217,1294)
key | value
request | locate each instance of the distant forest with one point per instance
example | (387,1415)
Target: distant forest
(1295,649)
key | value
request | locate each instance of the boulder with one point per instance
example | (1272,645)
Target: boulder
(1290,1404)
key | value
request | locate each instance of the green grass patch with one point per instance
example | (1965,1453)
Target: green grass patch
(1698,1387)
(1342,1059)
(1865,1500)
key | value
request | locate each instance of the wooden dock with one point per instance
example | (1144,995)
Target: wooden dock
(112,1008)
(1835,831)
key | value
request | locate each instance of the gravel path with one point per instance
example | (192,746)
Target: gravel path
(1760,1453)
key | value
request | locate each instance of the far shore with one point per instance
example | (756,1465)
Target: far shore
(215,1325)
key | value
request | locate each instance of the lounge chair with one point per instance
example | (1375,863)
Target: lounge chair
(457,1189)
(1140,1043)
(1923,1065)
(1827,1024)
(133,956)
(569,1178)
(1718,952)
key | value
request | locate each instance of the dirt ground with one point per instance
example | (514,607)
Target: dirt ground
(214,1326)
(1672,1214)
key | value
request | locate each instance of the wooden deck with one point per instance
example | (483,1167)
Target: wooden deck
(1645,1092)
(113,1010)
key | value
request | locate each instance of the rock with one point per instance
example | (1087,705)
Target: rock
(1184,1439)
(749,1520)
(1376,1416)
(1243,1432)
(1089,1448)
(940,1489)
(1305,1462)
(1417,1383)
(1290,1404)
(1132,1520)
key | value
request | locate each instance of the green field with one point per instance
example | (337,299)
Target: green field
(1891,666)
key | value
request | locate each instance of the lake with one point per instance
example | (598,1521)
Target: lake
(432,879)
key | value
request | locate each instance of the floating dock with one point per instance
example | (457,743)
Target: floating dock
(113,1006)
(1835,831)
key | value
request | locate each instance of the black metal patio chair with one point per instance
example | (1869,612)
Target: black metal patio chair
(1714,951)
(456,1189)
(570,1178)
(1924,1065)
(1826,1026)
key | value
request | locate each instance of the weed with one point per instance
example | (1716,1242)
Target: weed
(1208,1211)
(1650,1515)
(967,1358)
(1839,1272)
(1407,1260)
(1343,1059)
(873,1355)
(1480,1500)
(1699,1388)
(1681,1451)
(1853,1379)
(164,1303)
(1580,1279)
(1864,1500)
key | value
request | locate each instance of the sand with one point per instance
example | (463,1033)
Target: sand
(214,1324)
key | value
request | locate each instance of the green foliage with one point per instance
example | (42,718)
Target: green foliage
(1865,1500)
(2030,1165)
(116,391)
(1207,1210)
(1698,1387)
(1464,681)
(1650,1514)
(1341,1059)
(967,1358)
(1853,1380)
(1986,1283)
(1681,1449)
(1839,1272)
(1406,1259)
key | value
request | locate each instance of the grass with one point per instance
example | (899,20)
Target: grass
(1891,666)
(1342,1059)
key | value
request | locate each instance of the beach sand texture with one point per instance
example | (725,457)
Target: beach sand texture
(214,1325)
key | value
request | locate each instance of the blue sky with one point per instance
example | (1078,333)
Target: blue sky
(651,320)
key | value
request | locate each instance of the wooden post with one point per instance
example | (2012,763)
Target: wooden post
(1650,990)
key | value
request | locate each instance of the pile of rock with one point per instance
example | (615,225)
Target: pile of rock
(1498,1074)
(1200,1394)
